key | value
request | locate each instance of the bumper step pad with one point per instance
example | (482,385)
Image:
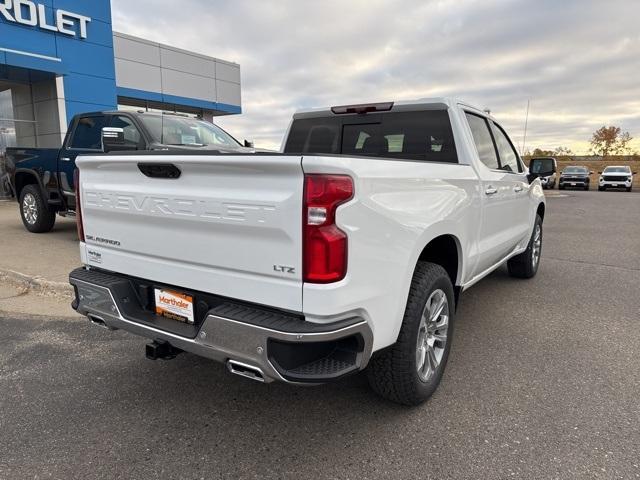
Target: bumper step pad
(322,367)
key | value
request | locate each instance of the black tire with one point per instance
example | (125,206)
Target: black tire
(629,189)
(523,266)
(393,372)
(560,187)
(586,187)
(36,215)
(601,189)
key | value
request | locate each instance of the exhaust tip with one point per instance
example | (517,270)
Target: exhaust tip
(244,370)
(98,321)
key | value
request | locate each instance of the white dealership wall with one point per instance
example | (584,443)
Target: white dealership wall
(161,73)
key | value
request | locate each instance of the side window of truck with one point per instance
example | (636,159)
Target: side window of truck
(88,133)
(131,133)
(482,139)
(508,155)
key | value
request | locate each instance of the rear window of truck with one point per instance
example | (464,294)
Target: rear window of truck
(421,135)
(88,132)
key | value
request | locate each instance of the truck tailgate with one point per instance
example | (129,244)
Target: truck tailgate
(228,224)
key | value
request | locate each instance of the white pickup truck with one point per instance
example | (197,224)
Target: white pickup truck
(348,250)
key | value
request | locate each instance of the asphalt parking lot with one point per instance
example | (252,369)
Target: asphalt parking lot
(543,382)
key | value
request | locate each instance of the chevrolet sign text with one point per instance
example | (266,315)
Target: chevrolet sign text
(26,12)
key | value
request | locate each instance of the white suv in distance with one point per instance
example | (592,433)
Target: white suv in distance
(616,177)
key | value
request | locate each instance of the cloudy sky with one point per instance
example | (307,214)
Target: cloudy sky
(577,61)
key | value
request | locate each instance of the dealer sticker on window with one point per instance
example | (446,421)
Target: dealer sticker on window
(176,306)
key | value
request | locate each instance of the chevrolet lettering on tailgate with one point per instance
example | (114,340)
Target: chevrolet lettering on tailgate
(184,207)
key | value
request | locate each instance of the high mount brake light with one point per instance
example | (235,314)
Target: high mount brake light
(79,226)
(363,108)
(324,244)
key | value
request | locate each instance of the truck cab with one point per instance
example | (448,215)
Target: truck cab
(42,179)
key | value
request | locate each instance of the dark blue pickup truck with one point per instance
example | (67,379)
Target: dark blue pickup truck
(42,179)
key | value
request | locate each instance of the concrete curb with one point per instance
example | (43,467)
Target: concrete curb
(36,284)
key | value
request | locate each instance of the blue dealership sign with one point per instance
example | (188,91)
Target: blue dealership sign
(69,38)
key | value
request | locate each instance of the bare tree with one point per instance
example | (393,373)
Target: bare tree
(562,152)
(622,146)
(539,152)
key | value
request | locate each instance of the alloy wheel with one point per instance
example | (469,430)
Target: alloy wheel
(537,246)
(432,335)
(30,209)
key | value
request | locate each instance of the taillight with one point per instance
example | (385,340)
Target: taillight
(325,245)
(76,183)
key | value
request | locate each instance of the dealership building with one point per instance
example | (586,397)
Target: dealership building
(62,57)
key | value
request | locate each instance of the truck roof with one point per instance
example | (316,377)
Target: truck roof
(131,112)
(434,103)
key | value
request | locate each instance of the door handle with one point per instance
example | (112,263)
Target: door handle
(65,159)
(491,190)
(517,188)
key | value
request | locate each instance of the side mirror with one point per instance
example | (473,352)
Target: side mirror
(248,144)
(113,139)
(541,167)
(591,172)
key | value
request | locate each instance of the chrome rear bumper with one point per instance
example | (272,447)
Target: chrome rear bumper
(270,344)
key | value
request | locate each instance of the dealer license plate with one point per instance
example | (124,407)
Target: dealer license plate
(614,184)
(174,305)
(573,184)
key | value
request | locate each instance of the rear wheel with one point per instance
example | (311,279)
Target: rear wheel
(409,371)
(36,215)
(526,264)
